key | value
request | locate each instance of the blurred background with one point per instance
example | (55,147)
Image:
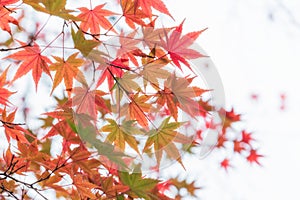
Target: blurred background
(256,47)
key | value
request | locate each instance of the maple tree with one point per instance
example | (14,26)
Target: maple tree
(124,99)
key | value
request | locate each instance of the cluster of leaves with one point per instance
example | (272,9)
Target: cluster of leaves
(126,104)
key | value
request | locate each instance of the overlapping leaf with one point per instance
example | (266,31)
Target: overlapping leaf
(6,19)
(52,7)
(67,70)
(178,93)
(139,186)
(4,93)
(121,134)
(31,59)
(163,139)
(92,20)
(178,45)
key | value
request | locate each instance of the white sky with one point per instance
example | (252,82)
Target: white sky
(253,55)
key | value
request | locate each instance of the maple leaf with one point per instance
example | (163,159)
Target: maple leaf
(132,14)
(225,164)
(119,134)
(246,137)
(95,18)
(178,46)
(67,70)
(254,156)
(82,158)
(84,187)
(128,48)
(178,93)
(88,100)
(62,128)
(4,93)
(152,71)
(229,117)
(189,186)
(152,37)
(31,59)
(163,139)
(238,146)
(139,186)
(12,161)
(127,82)
(5,19)
(137,109)
(111,189)
(52,7)
(112,70)
(83,45)
(13,130)
(51,181)
(157,5)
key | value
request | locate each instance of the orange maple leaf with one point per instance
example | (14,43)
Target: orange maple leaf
(5,19)
(138,109)
(84,187)
(4,93)
(94,18)
(132,14)
(13,130)
(31,59)
(67,70)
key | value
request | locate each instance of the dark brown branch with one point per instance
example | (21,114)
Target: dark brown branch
(16,48)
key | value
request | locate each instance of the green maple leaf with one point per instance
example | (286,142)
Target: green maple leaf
(163,139)
(119,134)
(52,7)
(83,45)
(140,187)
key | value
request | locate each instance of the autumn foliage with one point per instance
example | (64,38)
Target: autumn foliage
(125,99)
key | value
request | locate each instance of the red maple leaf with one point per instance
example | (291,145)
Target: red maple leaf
(94,19)
(88,100)
(246,137)
(254,156)
(146,6)
(31,59)
(112,70)
(225,164)
(178,45)
(164,186)
(229,118)
(5,19)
